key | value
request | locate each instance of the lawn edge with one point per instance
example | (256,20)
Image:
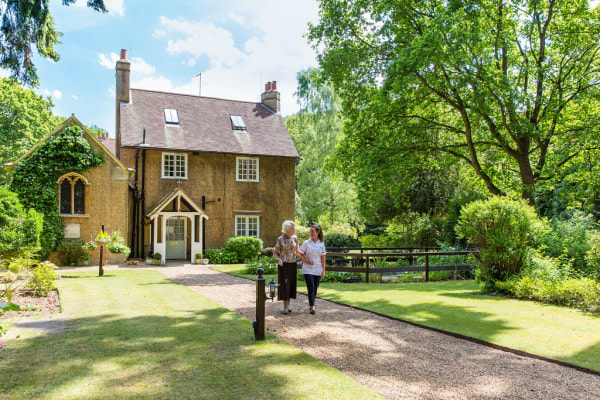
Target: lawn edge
(464,337)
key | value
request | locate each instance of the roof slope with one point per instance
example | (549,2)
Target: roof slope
(204,125)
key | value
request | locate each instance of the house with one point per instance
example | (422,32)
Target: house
(206,169)
(184,173)
(87,200)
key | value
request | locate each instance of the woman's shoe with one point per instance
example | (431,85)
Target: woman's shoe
(312,312)
(284,311)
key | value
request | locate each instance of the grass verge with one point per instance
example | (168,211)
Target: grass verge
(550,331)
(137,334)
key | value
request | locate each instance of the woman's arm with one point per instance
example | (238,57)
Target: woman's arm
(323,265)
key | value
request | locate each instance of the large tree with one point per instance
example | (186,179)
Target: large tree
(26,23)
(509,88)
(25,118)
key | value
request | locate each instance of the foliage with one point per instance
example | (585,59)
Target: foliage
(221,256)
(244,247)
(42,279)
(71,252)
(26,23)
(34,178)
(569,240)
(500,87)
(302,232)
(340,240)
(157,256)
(592,256)
(267,252)
(198,256)
(117,243)
(503,231)
(20,228)
(268,264)
(583,293)
(320,196)
(102,238)
(25,118)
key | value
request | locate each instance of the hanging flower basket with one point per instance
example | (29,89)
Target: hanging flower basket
(102,238)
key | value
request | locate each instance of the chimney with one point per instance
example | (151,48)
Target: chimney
(123,69)
(270,97)
(122,95)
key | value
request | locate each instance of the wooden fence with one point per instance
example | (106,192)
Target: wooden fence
(362,262)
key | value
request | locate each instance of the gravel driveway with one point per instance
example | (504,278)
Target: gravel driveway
(395,359)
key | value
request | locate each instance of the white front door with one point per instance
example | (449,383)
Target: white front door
(176,238)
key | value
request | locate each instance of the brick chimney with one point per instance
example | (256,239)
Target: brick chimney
(271,97)
(122,95)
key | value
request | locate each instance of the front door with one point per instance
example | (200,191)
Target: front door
(175,241)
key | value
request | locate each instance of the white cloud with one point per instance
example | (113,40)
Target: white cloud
(237,18)
(138,64)
(74,97)
(114,7)
(57,94)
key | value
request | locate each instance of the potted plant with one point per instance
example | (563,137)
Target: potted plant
(157,258)
(198,258)
(149,260)
(102,239)
(117,246)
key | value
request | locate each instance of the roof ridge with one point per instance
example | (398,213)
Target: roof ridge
(196,96)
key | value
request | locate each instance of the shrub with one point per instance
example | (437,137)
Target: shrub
(303,233)
(569,240)
(373,241)
(592,257)
(20,229)
(71,253)
(340,240)
(42,278)
(157,256)
(244,247)
(221,256)
(268,264)
(503,230)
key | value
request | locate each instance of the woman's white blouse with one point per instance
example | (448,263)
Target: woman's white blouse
(313,252)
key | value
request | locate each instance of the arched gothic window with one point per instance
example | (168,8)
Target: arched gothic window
(71,194)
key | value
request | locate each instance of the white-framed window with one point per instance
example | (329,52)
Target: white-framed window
(171,116)
(247,169)
(174,165)
(247,225)
(237,123)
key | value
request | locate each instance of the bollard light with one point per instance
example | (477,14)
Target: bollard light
(272,289)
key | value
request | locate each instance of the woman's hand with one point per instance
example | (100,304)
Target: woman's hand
(323,274)
(280,262)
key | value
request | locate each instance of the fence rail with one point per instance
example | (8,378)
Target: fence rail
(362,258)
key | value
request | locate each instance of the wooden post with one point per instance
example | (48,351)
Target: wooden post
(259,324)
(367,263)
(426,267)
(100,269)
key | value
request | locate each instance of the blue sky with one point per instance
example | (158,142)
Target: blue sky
(236,45)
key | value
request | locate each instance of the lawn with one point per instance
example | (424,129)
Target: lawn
(137,334)
(551,331)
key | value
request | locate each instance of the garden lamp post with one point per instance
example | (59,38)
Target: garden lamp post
(101,240)
(261,298)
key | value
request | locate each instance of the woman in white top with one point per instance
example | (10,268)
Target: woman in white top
(312,252)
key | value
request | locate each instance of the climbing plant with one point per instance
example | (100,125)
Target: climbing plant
(35,178)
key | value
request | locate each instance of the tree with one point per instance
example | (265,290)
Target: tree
(25,118)
(321,195)
(509,88)
(19,228)
(26,23)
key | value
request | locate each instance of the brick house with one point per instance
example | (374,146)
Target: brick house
(206,169)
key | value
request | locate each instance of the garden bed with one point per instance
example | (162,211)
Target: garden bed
(42,305)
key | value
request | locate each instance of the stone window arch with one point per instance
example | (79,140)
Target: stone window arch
(71,194)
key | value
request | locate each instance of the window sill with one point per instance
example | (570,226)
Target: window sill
(74,215)
(174,177)
(246,180)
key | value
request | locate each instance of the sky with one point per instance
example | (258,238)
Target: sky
(237,46)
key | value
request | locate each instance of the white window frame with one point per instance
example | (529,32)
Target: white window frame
(171,116)
(245,219)
(185,165)
(237,122)
(240,177)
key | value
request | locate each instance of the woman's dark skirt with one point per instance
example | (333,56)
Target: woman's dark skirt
(286,275)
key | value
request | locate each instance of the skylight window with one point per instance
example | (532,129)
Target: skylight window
(237,122)
(171,116)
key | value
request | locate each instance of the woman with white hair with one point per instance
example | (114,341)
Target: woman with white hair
(285,252)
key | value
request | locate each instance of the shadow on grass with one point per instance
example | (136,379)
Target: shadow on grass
(202,355)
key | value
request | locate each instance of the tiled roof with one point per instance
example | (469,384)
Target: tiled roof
(110,144)
(204,125)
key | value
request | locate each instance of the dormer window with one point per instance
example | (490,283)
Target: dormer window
(237,123)
(171,116)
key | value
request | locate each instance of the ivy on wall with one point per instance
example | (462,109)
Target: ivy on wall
(35,178)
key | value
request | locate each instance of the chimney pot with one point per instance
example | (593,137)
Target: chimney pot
(267,86)
(123,54)
(274,85)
